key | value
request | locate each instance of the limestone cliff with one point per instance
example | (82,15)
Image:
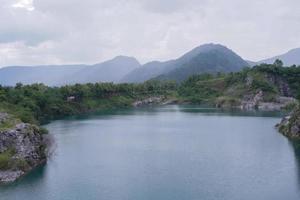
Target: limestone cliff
(22,148)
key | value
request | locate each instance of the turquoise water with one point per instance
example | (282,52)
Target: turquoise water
(166,153)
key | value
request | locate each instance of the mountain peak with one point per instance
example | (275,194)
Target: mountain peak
(124,58)
(121,60)
(206,48)
(207,58)
(210,46)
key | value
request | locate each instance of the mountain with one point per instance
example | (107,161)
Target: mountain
(252,63)
(148,71)
(208,58)
(54,75)
(49,75)
(292,57)
(110,71)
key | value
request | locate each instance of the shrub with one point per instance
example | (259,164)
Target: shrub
(6,159)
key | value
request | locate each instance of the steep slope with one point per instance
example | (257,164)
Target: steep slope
(55,75)
(148,71)
(290,58)
(211,59)
(208,58)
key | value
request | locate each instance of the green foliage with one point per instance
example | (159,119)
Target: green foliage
(229,88)
(278,63)
(8,123)
(43,131)
(290,74)
(291,106)
(262,85)
(227,102)
(38,103)
(6,161)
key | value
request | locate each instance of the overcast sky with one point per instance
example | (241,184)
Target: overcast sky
(89,31)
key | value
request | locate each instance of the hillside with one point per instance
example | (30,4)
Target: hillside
(290,58)
(208,58)
(56,75)
(266,87)
(147,71)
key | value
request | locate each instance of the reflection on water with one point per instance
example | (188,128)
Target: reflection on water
(296,147)
(34,179)
(156,110)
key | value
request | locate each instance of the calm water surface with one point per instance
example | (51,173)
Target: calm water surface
(166,153)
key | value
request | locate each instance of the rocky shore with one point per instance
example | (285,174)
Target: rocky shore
(290,125)
(22,148)
(155,100)
(258,102)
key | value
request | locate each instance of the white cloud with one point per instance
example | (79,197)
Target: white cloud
(26,4)
(76,31)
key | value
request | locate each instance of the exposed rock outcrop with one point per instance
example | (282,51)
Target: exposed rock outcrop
(290,125)
(149,101)
(22,148)
(281,84)
(257,102)
(155,100)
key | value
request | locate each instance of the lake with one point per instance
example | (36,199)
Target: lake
(165,153)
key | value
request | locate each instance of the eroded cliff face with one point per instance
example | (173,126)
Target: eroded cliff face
(290,125)
(22,148)
(281,84)
(257,101)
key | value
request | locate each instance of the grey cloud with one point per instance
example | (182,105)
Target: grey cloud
(172,6)
(76,31)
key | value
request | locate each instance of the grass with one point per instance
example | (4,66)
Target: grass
(6,159)
(9,123)
(7,162)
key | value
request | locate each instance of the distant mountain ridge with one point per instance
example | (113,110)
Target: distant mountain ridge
(290,58)
(56,75)
(208,58)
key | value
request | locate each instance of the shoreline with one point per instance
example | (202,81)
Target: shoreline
(147,102)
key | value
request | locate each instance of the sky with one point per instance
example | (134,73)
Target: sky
(38,32)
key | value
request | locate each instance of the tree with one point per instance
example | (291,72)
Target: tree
(278,63)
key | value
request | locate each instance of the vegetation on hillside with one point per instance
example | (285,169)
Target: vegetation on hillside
(273,80)
(39,103)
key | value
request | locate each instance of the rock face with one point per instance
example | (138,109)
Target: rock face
(290,125)
(148,101)
(257,102)
(282,85)
(22,148)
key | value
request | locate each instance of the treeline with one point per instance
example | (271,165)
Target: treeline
(38,103)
